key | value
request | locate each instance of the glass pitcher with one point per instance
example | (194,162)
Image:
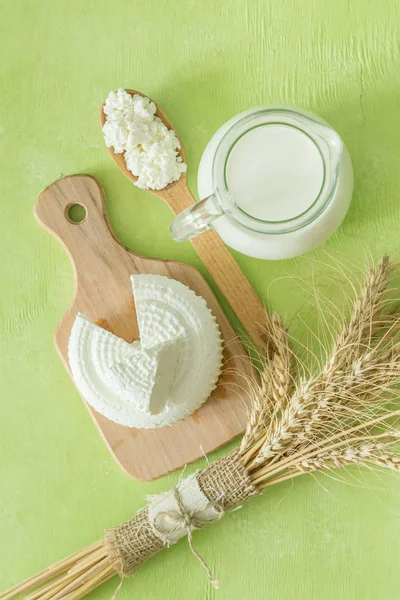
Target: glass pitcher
(277,219)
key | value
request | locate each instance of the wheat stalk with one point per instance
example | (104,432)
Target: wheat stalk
(361,372)
(350,357)
(272,394)
(367,452)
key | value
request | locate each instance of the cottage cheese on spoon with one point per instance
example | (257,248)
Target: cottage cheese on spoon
(150,148)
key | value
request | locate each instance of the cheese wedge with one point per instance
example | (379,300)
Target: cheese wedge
(146,376)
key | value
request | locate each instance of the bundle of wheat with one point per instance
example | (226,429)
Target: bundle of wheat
(342,415)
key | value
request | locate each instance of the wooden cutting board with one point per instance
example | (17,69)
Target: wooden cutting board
(102,267)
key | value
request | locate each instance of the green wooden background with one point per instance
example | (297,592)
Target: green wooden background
(203,61)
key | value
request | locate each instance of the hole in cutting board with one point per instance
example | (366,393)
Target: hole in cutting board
(75,213)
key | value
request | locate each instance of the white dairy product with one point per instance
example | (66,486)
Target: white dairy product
(146,376)
(150,149)
(274,172)
(162,378)
(278,165)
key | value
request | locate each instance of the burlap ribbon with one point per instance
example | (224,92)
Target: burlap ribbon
(200,499)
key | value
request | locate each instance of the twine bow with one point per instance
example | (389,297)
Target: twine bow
(198,500)
(181,511)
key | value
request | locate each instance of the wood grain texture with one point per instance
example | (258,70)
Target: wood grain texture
(203,62)
(209,246)
(103,292)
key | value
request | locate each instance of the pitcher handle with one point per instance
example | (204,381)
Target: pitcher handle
(196,219)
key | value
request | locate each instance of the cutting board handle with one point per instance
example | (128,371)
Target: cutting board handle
(81,239)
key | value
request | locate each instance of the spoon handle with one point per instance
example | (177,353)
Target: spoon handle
(233,283)
(223,268)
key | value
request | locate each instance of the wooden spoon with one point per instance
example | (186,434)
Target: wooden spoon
(209,246)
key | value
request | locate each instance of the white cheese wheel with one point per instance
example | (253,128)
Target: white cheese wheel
(164,377)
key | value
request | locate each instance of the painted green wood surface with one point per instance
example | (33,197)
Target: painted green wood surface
(203,61)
